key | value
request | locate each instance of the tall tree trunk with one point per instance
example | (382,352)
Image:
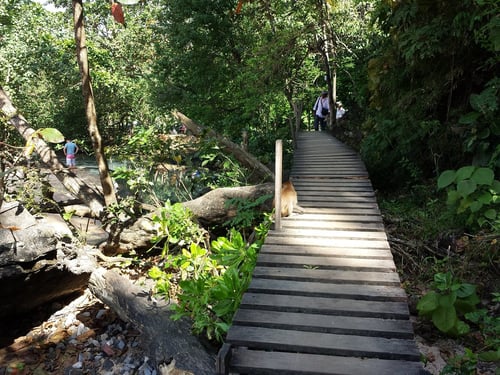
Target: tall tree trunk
(69,180)
(82,57)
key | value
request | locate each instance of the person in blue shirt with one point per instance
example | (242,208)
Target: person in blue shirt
(70,150)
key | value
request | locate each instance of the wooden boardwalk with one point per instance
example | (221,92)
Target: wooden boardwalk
(325,297)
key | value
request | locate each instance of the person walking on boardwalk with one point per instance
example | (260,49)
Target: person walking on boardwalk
(321,110)
(70,150)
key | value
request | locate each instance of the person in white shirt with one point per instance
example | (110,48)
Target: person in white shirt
(321,111)
(340,111)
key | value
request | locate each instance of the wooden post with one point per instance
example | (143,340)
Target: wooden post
(277,184)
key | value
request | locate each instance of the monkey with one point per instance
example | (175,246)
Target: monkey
(289,202)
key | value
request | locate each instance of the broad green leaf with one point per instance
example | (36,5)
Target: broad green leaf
(51,135)
(446,178)
(490,356)
(444,318)
(490,214)
(475,206)
(428,303)
(469,118)
(483,176)
(465,172)
(453,197)
(461,328)
(155,273)
(447,300)
(495,188)
(485,198)
(466,290)
(466,187)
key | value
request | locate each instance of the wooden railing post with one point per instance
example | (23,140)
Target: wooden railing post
(277,184)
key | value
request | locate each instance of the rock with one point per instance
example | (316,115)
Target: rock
(38,261)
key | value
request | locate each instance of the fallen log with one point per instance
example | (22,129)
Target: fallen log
(209,209)
(166,339)
(259,172)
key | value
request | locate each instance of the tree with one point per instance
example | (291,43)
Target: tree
(81,54)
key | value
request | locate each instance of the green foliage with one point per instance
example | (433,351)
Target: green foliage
(175,224)
(474,193)
(449,301)
(211,298)
(212,282)
(248,212)
(465,364)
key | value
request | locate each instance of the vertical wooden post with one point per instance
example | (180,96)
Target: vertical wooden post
(277,184)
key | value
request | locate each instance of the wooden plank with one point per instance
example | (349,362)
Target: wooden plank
(343,211)
(248,361)
(328,290)
(329,233)
(323,224)
(323,203)
(345,201)
(337,242)
(331,276)
(333,218)
(323,343)
(332,251)
(321,305)
(343,325)
(322,262)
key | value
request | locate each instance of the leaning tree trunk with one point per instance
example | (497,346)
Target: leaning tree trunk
(69,180)
(260,173)
(81,54)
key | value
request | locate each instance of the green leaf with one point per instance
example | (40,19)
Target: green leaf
(51,135)
(466,187)
(490,356)
(428,303)
(490,214)
(444,318)
(465,172)
(475,206)
(466,290)
(483,176)
(453,197)
(446,178)
(447,300)
(469,118)
(155,273)
(461,328)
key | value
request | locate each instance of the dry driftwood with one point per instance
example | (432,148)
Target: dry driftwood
(166,339)
(260,173)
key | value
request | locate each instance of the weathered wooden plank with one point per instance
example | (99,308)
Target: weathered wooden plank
(322,262)
(323,203)
(333,276)
(323,224)
(343,211)
(344,325)
(327,290)
(346,194)
(333,251)
(337,242)
(321,305)
(323,343)
(248,361)
(343,200)
(331,234)
(333,218)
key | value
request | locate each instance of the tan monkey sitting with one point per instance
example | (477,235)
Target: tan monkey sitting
(289,202)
